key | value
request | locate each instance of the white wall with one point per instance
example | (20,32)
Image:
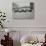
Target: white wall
(40,14)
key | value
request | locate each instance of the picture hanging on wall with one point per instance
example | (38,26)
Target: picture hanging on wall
(23,11)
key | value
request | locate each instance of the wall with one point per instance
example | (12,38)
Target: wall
(40,16)
(38,21)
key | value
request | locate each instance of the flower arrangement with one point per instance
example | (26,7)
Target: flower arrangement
(2,18)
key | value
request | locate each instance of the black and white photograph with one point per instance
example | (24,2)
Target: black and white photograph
(25,11)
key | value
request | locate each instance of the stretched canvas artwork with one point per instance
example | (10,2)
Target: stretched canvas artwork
(23,11)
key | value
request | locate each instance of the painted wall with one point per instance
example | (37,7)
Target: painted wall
(38,21)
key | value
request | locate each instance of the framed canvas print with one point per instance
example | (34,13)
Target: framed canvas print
(23,11)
